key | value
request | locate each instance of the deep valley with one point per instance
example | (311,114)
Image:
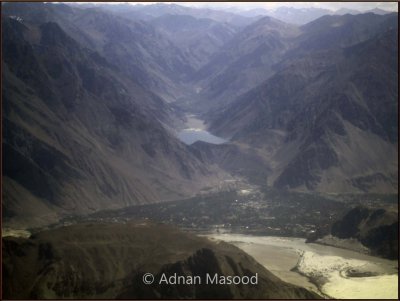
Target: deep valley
(174,139)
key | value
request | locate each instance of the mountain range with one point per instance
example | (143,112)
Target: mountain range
(328,114)
(94,95)
(95,98)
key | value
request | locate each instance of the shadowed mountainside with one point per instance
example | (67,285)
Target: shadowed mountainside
(377,229)
(79,135)
(135,47)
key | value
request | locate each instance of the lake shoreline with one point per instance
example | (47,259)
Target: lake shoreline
(195,130)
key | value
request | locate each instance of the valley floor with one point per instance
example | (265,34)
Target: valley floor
(333,272)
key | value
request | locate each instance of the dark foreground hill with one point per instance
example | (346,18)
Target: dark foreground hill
(369,230)
(377,229)
(109,260)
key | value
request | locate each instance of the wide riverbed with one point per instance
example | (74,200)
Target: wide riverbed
(195,131)
(334,269)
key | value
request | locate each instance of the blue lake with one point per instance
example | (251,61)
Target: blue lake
(189,136)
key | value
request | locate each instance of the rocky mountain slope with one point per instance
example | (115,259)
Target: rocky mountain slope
(135,47)
(377,230)
(79,135)
(335,32)
(242,63)
(327,116)
(197,38)
(109,260)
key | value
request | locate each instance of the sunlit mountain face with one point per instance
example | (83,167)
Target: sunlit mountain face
(207,140)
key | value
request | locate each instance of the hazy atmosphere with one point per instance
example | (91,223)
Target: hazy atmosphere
(200,150)
(361,6)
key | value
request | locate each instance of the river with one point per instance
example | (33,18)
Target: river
(333,269)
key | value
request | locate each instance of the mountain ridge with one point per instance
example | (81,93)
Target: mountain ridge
(304,99)
(110,260)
